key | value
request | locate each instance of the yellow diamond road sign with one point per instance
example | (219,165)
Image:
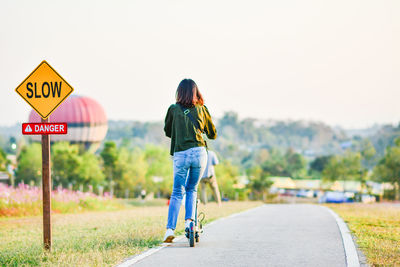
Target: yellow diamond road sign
(44,89)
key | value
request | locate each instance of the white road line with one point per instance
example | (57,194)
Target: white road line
(130,261)
(348,244)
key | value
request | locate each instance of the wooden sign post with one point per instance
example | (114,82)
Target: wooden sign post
(46,187)
(44,90)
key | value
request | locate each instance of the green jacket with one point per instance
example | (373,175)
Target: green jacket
(182,131)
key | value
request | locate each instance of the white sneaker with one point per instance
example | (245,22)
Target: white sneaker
(169,236)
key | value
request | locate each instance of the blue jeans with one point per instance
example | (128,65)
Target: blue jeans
(189,166)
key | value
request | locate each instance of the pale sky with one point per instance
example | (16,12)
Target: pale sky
(331,61)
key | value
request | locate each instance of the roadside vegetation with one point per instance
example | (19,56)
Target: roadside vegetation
(25,200)
(95,238)
(135,158)
(376,228)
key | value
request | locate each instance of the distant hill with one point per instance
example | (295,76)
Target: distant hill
(385,137)
(13,130)
(308,138)
(366,132)
(239,137)
(138,133)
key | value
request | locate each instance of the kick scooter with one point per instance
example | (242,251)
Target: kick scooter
(195,227)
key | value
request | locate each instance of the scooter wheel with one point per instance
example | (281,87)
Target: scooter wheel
(191,235)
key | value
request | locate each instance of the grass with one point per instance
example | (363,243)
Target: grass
(377,230)
(94,238)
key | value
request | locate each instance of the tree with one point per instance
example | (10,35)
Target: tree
(388,168)
(109,155)
(255,158)
(345,167)
(275,165)
(334,169)
(318,165)
(368,153)
(66,163)
(227,175)
(259,182)
(90,172)
(295,164)
(3,160)
(11,146)
(159,172)
(290,164)
(29,165)
(130,172)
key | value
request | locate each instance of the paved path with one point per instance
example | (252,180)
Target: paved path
(271,235)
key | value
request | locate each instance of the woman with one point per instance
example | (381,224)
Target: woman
(184,124)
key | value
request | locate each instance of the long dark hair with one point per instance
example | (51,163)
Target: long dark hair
(188,94)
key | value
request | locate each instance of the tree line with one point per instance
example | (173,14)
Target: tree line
(126,169)
(135,157)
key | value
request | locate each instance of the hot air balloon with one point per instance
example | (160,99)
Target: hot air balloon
(86,119)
